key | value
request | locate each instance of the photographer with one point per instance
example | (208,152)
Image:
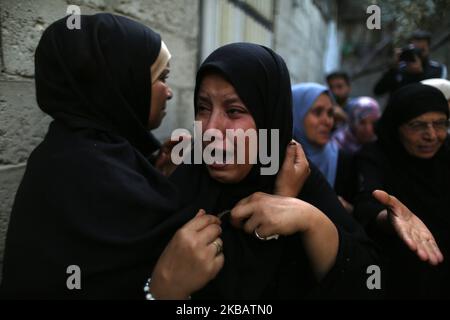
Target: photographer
(412,64)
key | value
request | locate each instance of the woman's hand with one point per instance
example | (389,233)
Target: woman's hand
(191,259)
(164,161)
(409,228)
(266,215)
(271,214)
(294,172)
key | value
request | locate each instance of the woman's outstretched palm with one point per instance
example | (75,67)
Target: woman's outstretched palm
(410,229)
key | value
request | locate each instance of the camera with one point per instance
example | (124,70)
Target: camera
(410,53)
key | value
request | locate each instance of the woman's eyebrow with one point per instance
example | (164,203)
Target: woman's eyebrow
(232,100)
(203,98)
(321,107)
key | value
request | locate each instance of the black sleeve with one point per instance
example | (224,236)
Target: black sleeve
(346,176)
(103,209)
(371,177)
(356,253)
(388,83)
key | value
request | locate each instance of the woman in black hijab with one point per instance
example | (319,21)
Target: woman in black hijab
(247,86)
(411,162)
(89,197)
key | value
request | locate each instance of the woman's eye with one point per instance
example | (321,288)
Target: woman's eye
(317,112)
(416,126)
(235,111)
(201,108)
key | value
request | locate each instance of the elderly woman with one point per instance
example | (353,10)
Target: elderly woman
(411,162)
(364,113)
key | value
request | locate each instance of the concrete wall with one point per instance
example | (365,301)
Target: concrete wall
(300,37)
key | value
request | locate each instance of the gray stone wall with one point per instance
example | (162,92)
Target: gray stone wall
(301,38)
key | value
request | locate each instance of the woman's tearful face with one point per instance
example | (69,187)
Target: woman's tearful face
(219,107)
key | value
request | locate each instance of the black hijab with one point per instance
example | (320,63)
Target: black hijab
(89,196)
(99,76)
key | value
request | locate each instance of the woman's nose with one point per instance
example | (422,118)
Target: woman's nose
(370,129)
(431,133)
(169,93)
(216,121)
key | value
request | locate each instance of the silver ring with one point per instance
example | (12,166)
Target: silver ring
(258,236)
(274,237)
(219,247)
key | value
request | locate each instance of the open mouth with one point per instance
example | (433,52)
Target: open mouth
(219,157)
(324,133)
(427,149)
(217,166)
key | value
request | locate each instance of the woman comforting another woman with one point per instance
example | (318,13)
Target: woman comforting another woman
(90,197)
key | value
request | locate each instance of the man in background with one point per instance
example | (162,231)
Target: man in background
(339,84)
(412,64)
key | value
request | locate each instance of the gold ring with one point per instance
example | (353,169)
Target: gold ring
(219,247)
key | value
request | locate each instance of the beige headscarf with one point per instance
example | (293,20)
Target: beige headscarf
(161,62)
